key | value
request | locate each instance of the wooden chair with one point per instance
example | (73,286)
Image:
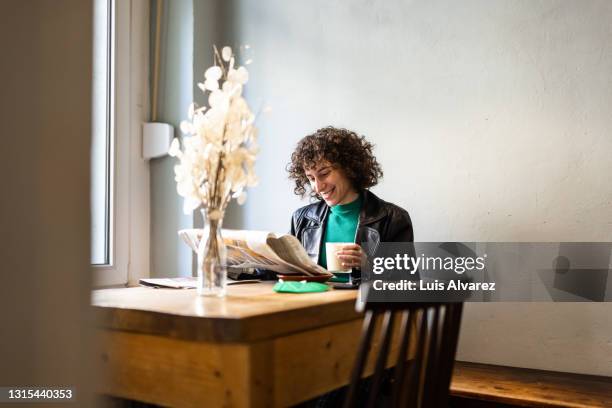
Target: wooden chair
(432,331)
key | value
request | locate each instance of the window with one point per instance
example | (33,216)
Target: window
(119,175)
(108,235)
(102,132)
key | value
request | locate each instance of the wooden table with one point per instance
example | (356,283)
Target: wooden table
(260,348)
(253,348)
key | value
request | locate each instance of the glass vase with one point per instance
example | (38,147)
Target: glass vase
(212,259)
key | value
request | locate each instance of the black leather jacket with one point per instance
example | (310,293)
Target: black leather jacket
(379,221)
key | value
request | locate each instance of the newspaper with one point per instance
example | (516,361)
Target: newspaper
(185,282)
(281,253)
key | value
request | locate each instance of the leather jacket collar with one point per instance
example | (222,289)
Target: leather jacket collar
(371,211)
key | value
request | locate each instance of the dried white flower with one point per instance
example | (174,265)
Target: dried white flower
(242,198)
(186,127)
(218,156)
(213,73)
(226,53)
(240,75)
(218,100)
(211,85)
(175,148)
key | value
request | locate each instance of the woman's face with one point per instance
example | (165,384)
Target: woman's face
(331,184)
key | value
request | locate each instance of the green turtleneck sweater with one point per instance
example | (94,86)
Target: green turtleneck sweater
(341,225)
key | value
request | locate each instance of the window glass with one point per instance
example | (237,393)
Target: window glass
(102,133)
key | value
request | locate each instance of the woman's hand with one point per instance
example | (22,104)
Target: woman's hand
(351,256)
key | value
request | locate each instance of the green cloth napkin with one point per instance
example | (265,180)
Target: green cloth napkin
(299,287)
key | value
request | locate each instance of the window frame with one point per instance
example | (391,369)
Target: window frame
(129,172)
(101,148)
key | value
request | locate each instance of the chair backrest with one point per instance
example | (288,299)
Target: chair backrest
(422,379)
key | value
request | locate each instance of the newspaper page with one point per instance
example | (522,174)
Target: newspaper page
(184,282)
(288,248)
(252,249)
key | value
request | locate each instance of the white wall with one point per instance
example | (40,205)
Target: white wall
(170,256)
(492,122)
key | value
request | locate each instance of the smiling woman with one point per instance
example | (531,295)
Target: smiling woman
(337,167)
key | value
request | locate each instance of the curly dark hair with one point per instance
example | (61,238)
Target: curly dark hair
(343,149)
